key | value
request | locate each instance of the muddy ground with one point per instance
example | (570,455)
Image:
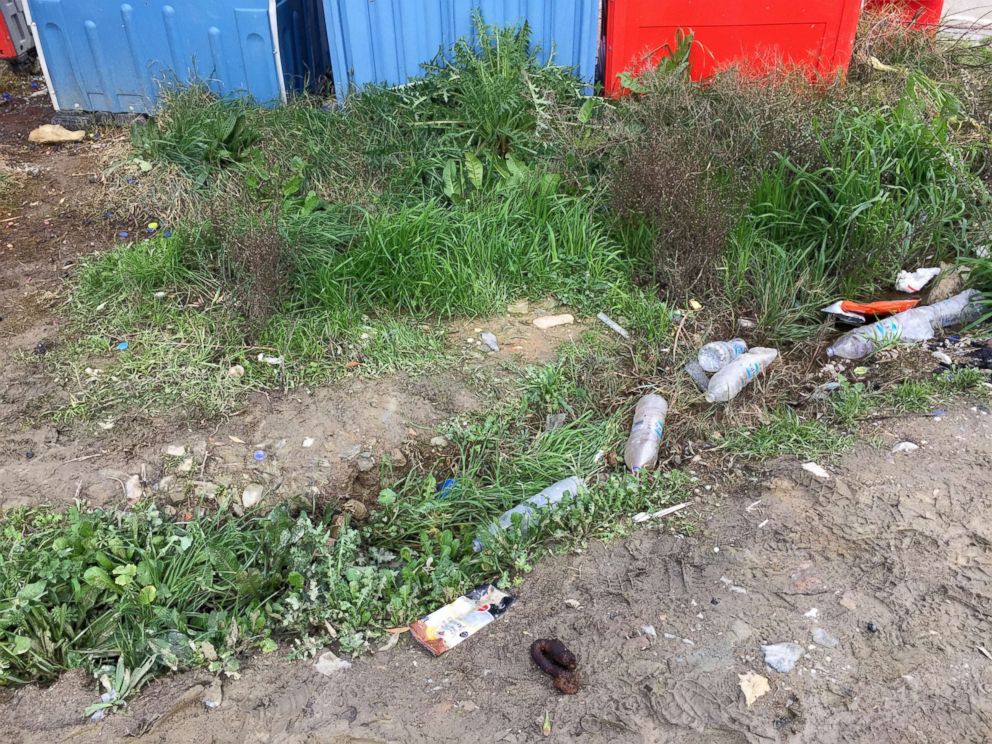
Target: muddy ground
(898,541)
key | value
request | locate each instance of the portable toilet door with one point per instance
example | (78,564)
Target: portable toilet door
(118,57)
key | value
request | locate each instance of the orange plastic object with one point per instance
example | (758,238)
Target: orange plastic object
(7,48)
(815,34)
(885,307)
(918,13)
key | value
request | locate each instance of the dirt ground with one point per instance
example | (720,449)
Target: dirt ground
(663,624)
(897,540)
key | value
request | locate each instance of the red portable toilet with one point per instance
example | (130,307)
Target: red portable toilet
(815,34)
(15,35)
(918,13)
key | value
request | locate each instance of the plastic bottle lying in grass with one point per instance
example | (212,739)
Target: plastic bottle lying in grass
(918,324)
(729,381)
(716,355)
(546,498)
(645,433)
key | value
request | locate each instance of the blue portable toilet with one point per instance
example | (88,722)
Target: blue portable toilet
(117,57)
(387,41)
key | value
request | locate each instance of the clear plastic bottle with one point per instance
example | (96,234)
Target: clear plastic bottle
(645,433)
(546,498)
(918,324)
(729,381)
(716,355)
(698,375)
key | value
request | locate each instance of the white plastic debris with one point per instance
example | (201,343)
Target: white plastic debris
(489,340)
(550,321)
(328,664)
(782,657)
(912,282)
(905,447)
(817,470)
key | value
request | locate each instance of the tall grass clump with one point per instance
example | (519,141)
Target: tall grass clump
(895,188)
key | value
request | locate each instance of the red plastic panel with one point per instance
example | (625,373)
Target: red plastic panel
(816,34)
(919,13)
(7,48)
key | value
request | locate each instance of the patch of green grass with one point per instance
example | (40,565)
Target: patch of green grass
(786,433)
(851,403)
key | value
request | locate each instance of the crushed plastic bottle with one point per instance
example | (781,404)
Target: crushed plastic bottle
(645,433)
(911,326)
(546,498)
(716,355)
(698,375)
(729,381)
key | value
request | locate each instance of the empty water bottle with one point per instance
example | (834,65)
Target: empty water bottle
(698,375)
(918,324)
(546,498)
(716,355)
(645,433)
(729,381)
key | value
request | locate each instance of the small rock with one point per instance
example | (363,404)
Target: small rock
(398,459)
(872,628)
(365,462)
(252,495)
(489,340)
(906,447)
(812,613)
(554,421)
(468,706)
(208,651)
(823,638)
(746,325)
(308,442)
(236,372)
(696,305)
(648,630)
(213,696)
(518,308)
(53,134)
(573,603)
(356,508)
(328,664)
(175,450)
(439,442)
(186,466)
(551,321)
(205,489)
(782,657)
(133,490)
(166,484)
(942,358)
(817,470)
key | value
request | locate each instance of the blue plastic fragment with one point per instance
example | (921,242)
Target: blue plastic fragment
(167,234)
(123,346)
(938,412)
(444,489)
(123,234)
(259,455)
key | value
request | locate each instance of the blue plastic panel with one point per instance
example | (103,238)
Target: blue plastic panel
(105,55)
(386,41)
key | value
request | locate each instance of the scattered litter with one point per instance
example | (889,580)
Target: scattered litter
(782,657)
(550,321)
(645,433)
(546,726)
(853,313)
(716,355)
(817,470)
(175,450)
(554,659)
(648,630)
(746,325)
(160,295)
(554,421)
(573,603)
(274,361)
(823,638)
(912,282)
(698,375)
(152,226)
(329,664)
(106,699)
(393,639)
(738,589)
(942,358)
(123,234)
(489,340)
(41,348)
(753,505)
(54,134)
(918,324)
(812,613)
(763,523)
(439,442)
(308,442)
(872,628)
(236,372)
(753,686)
(445,628)
(252,495)
(729,381)
(613,325)
(444,489)
(984,652)
(543,500)
(645,516)
(259,455)
(236,440)
(29,454)
(696,305)
(122,346)
(213,696)
(905,447)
